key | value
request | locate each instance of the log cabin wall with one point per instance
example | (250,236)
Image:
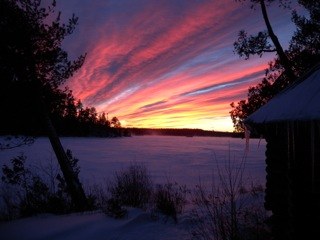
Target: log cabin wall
(293,178)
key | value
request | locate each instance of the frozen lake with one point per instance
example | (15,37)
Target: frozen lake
(186,160)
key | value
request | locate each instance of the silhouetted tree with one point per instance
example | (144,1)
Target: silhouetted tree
(302,54)
(71,118)
(115,122)
(305,43)
(257,96)
(246,46)
(102,120)
(32,60)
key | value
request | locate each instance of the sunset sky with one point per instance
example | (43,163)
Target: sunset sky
(166,63)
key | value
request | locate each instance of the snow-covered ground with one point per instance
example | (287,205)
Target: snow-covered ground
(182,159)
(138,225)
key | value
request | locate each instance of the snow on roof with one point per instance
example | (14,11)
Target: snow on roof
(300,101)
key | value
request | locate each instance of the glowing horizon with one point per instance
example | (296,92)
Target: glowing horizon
(166,64)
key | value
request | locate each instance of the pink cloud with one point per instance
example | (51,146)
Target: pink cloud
(155,63)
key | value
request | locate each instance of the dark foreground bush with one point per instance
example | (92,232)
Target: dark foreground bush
(132,187)
(31,193)
(170,199)
(229,210)
(114,209)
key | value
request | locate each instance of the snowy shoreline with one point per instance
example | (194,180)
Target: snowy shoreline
(178,159)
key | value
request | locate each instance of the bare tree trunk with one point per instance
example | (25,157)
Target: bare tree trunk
(74,186)
(282,56)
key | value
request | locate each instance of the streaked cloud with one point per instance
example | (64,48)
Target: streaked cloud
(167,63)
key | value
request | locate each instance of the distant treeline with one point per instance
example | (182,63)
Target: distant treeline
(182,132)
(22,114)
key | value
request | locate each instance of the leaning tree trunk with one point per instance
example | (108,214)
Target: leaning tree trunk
(282,56)
(74,186)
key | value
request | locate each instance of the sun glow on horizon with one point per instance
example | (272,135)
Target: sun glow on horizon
(215,124)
